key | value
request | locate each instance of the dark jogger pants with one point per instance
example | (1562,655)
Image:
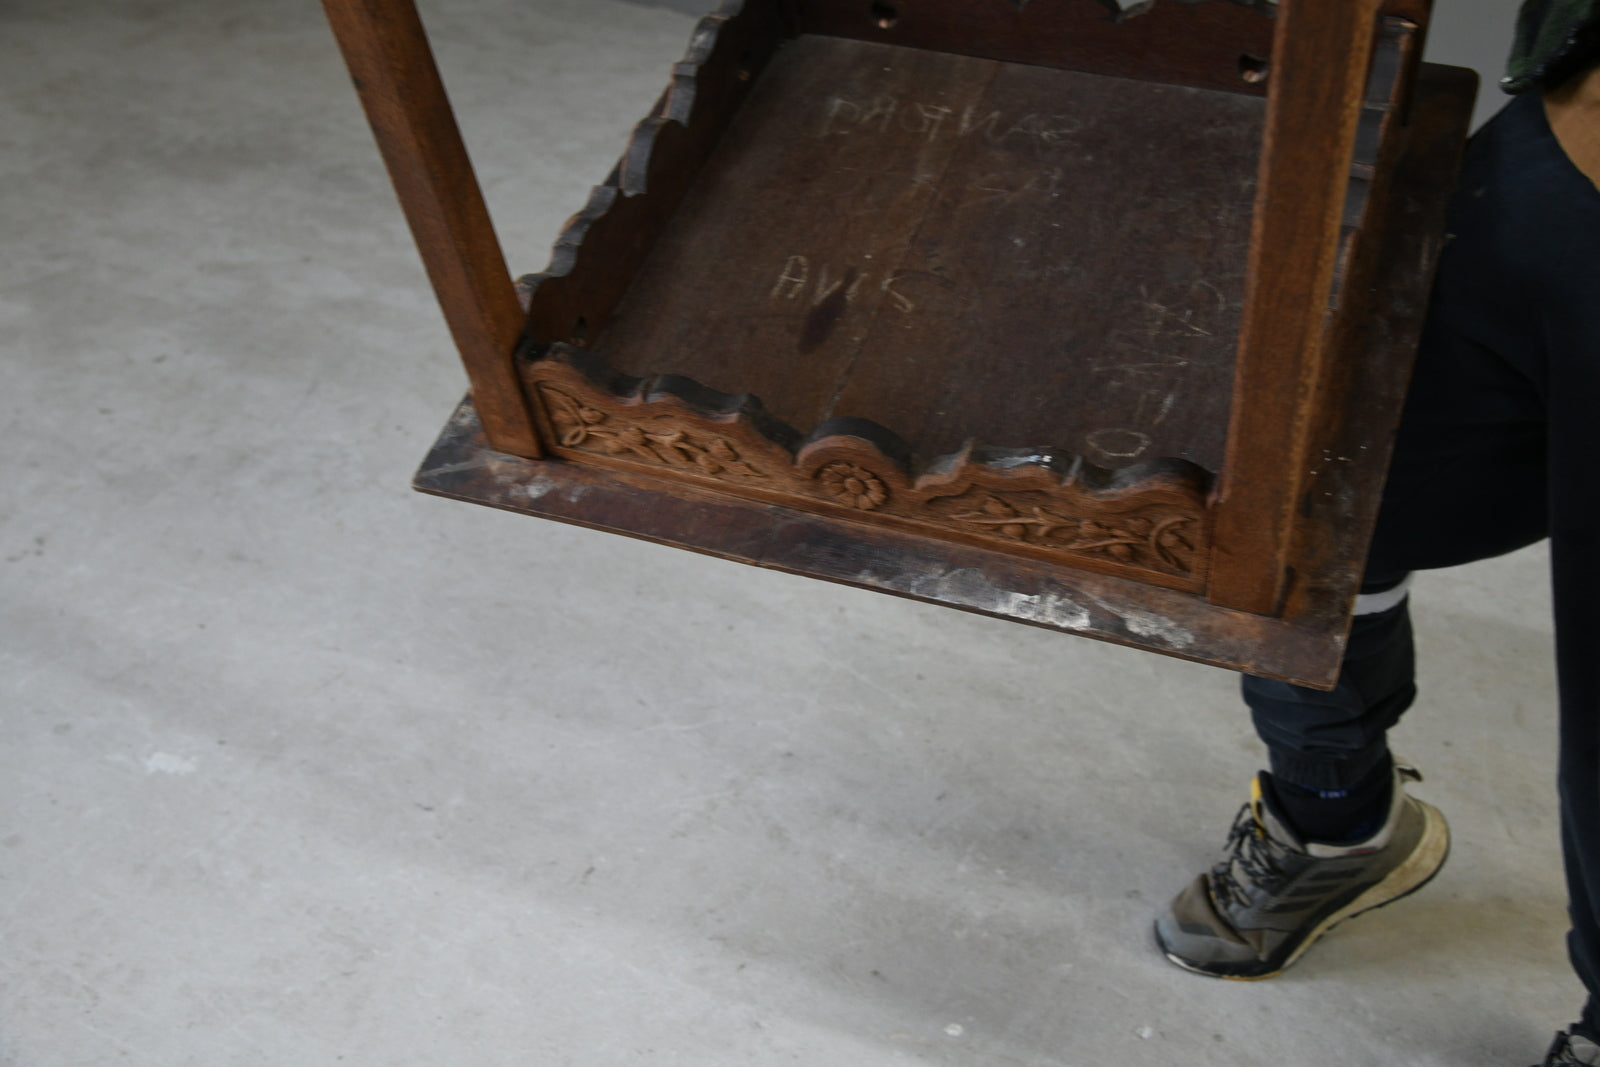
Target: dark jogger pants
(1499,447)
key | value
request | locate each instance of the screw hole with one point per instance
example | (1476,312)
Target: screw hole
(1253,69)
(885,15)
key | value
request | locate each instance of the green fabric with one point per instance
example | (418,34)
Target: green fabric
(1554,39)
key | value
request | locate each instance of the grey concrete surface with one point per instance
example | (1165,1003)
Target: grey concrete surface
(297,767)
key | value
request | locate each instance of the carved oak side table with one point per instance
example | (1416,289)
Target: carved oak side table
(1091,316)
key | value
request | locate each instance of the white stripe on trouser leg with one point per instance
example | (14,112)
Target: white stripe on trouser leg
(1373,603)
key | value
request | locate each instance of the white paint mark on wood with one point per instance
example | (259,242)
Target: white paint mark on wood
(536,488)
(1157,628)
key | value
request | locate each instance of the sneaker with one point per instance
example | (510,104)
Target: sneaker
(1273,894)
(1571,1050)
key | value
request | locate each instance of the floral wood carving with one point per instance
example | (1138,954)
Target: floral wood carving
(579,425)
(1162,538)
(853,486)
(1149,520)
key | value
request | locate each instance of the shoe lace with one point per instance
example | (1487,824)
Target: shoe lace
(1252,861)
(1562,1053)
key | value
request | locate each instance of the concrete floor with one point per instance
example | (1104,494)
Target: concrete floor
(297,767)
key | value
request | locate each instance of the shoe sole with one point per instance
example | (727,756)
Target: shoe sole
(1416,871)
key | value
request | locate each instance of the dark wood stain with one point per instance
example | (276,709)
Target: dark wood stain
(825,316)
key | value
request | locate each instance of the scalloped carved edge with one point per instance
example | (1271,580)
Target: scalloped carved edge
(677,103)
(1148,521)
(607,239)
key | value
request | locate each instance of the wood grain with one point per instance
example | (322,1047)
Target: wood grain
(962,250)
(1322,53)
(1209,44)
(769,275)
(1080,289)
(387,51)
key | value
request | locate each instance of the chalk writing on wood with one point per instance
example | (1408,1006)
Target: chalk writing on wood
(1007,187)
(843,116)
(819,283)
(1163,328)
(1149,362)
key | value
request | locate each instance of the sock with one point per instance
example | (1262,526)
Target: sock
(1337,817)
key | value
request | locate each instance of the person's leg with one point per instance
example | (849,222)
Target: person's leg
(1570,327)
(1467,482)
(1327,833)
(1328,751)
(1575,565)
